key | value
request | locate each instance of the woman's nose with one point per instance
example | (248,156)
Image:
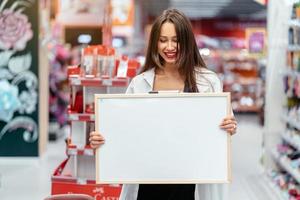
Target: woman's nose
(170,45)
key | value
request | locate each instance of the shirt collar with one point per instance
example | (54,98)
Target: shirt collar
(149,76)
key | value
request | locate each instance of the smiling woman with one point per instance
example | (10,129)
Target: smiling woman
(173,50)
(173,62)
(167,43)
(168,50)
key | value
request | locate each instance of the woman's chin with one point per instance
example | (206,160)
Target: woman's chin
(170,61)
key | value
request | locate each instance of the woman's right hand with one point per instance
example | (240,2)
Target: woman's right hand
(96,140)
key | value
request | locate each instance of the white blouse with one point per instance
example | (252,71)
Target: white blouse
(207,81)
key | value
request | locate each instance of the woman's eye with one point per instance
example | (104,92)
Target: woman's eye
(162,40)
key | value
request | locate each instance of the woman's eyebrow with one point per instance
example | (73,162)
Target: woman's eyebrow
(162,36)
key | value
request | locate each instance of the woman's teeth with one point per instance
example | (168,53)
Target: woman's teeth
(170,55)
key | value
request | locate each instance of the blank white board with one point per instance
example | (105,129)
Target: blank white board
(162,138)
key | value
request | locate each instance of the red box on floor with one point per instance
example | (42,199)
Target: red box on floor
(62,184)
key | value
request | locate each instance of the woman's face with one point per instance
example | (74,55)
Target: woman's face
(167,43)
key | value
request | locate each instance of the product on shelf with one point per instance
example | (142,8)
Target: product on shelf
(88,63)
(109,67)
(288,188)
(98,61)
(123,67)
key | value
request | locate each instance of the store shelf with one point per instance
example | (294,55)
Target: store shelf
(69,184)
(275,189)
(294,23)
(73,186)
(81,117)
(247,81)
(75,151)
(291,140)
(294,48)
(294,123)
(284,162)
(292,73)
(242,81)
(98,82)
(289,118)
(243,108)
(275,155)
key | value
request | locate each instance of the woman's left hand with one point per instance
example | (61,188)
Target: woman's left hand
(229,124)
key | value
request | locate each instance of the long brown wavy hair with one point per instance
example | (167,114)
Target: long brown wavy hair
(189,57)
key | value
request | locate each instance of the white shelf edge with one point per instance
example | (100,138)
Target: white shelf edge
(74,152)
(293,47)
(290,140)
(291,72)
(77,116)
(111,82)
(285,165)
(294,23)
(274,187)
(275,155)
(291,121)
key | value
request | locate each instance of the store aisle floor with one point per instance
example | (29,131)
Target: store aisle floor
(248,181)
(29,179)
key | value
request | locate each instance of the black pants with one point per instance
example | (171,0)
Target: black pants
(166,192)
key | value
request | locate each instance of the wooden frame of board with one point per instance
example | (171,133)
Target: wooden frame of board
(128,121)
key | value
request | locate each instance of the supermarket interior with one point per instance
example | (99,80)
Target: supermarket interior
(56,54)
